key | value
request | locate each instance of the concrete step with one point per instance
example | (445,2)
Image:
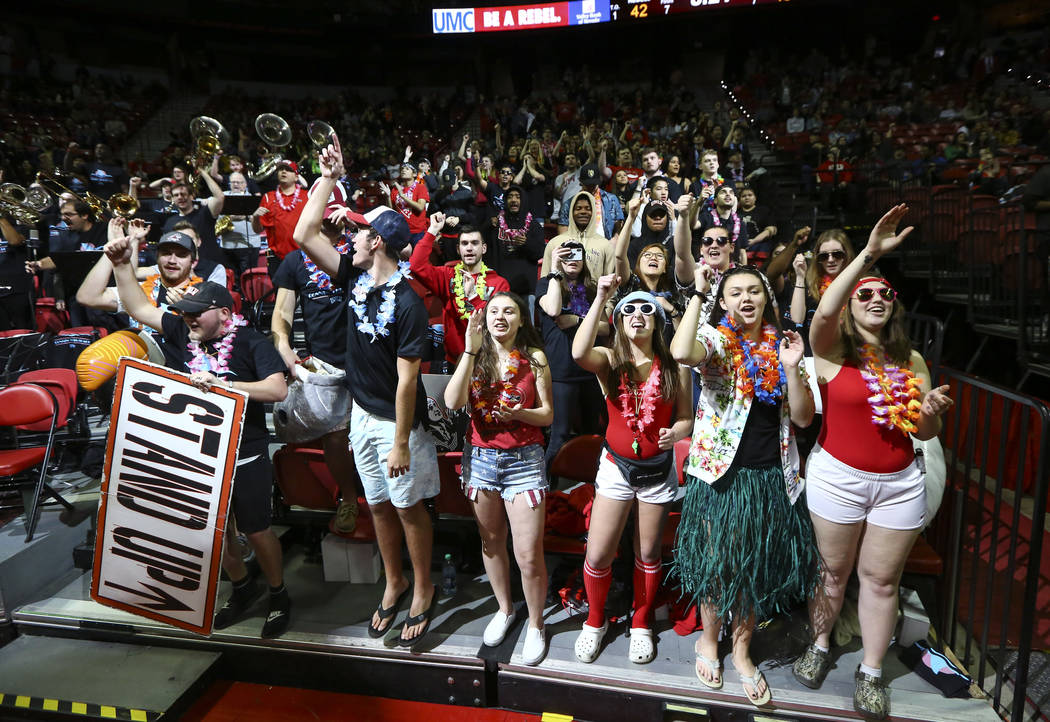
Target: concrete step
(55,678)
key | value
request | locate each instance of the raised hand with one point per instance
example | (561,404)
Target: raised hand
(683,202)
(118,250)
(802,235)
(138,229)
(634,205)
(437,222)
(607,285)
(115,229)
(384,188)
(472,339)
(936,402)
(800,265)
(791,349)
(331,160)
(468,285)
(704,276)
(884,237)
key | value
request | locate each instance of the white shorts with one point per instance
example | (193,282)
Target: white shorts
(839,493)
(372,438)
(610,483)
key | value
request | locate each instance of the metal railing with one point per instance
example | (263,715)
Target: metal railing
(997,448)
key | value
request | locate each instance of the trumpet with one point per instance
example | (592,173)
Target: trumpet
(96,204)
(276,133)
(24,206)
(123,205)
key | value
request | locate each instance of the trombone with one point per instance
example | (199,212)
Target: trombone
(25,206)
(123,205)
(96,204)
(276,133)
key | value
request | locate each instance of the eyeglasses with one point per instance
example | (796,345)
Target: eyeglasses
(646,309)
(823,256)
(506,172)
(652,255)
(720,240)
(866,294)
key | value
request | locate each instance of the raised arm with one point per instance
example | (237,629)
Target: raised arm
(308,229)
(457,391)
(779,264)
(684,263)
(798,293)
(684,346)
(119,252)
(584,352)
(217,199)
(800,396)
(824,331)
(623,238)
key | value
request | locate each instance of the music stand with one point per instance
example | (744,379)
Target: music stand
(74,266)
(240,205)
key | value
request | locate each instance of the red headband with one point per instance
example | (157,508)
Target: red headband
(869,279)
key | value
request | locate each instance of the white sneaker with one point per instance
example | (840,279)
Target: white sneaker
(497,628)
(535,647)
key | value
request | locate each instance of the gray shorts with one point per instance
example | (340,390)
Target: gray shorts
(372,438)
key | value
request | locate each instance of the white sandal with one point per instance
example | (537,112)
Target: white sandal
(641,650)
(590,641)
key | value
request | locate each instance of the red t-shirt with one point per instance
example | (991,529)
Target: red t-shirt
(438,280)
(492,434)
(417,191)
(279,223)
(633,174)
(848,433)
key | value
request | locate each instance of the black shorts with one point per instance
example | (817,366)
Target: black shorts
(253,490)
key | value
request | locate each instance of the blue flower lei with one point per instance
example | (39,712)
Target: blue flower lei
(321,279)
(365,283)
(749,366)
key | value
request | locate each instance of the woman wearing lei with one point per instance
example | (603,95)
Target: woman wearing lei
(865,492)
(833,253)
(504,381)
(564,297)
(647,398)
(744,545)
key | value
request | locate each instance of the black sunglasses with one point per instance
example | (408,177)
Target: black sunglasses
(823,256)
(866,294)
(720,240)
(646,309)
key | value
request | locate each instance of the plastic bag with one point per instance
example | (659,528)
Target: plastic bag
(317,403)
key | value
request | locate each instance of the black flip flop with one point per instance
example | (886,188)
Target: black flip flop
(426,616)
(387,613)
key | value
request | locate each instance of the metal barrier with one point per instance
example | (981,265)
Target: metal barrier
(997,449)
(927,337)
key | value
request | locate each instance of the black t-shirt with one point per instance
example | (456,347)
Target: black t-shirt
(707,220)
(13,276)
(516,263)
(760,441)
(557,341)
(323,307)
(204,222)
(253,358)
(105,179)
(92,239)
(371,366)
(755,220)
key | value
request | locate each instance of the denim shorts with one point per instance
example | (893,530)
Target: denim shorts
(371,439)
(508,472)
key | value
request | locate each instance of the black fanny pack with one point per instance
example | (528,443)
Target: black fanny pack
(644,472)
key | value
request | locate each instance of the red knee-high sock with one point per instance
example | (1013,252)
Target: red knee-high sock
(646,584)
(596,582)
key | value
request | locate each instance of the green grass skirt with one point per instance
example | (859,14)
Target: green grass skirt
(743,547)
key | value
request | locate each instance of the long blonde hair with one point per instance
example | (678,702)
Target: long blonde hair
(813,274)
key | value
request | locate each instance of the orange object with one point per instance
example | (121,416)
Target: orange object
(97,364)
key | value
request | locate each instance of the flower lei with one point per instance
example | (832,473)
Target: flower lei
(483,401)
(458,297)
(321,279)
(717,181)
(201,361)
(365,283)
(280,198)
(736,223)
(894,393)
(637,405)
(578,303)
(513,237)
(755,362)
(825,281)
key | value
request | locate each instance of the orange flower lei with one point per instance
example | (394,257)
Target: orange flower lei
(895,396)
(760,360)
(825,281)
(482,398)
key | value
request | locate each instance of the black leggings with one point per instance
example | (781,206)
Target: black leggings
(578,406)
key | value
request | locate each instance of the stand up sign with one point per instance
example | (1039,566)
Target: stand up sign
(170,460)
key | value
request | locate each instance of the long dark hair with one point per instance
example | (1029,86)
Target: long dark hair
(487,368)
(590,284)
(893,335)
(664,282)
(622,367)
(769,313)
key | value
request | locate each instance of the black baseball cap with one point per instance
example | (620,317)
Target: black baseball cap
(589,175)
(178,238)
(203,296)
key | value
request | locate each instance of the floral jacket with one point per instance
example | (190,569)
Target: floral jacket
(720,417)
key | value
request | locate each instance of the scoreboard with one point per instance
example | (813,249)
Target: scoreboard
(573,12)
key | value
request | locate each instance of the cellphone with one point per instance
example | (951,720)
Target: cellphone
(576,254)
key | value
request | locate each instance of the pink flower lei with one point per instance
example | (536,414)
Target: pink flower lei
(736,223)
(637,407)
(200,359)
(280,198)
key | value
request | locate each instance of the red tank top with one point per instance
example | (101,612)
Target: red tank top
(848,433)
(619,438)
(492,434)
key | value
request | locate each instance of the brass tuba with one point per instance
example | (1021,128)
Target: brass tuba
(208,139)
(25,206)
(275,133)
(320,133)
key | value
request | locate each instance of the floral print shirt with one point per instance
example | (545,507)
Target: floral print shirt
(721,414)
